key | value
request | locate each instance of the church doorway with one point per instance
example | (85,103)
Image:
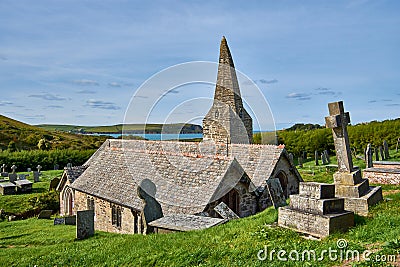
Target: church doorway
(284,182)
(232,200)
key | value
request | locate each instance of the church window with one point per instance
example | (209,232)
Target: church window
(116,216)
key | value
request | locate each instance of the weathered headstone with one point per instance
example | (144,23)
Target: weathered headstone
(3,167)
(28,169)
(225,212)
(58,221)
(84,224)
(382,152)
(304,155)
(152,209)
(69,165)
(348,181)
(291,158)
(276,193)
(316,157)
(327,156)
(376,154)
(300,161)
(23,186)
(323,158)
(12,177)
(22,176)
(13,168)
(45,214)
(316,211)
(54,183)
(368,156)
(56,167)
(36,176)
(386,149)
(4,174)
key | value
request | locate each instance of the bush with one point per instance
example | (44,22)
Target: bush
(46,201)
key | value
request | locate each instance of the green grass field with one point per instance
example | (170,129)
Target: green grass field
(38,242)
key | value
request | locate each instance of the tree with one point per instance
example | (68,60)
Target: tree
(12,146)
(43,145)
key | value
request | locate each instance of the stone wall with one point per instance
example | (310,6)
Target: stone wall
(130,222)
(382,176)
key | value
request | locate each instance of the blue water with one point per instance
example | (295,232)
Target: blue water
(157,137)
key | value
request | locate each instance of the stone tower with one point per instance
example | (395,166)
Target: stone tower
(227,121)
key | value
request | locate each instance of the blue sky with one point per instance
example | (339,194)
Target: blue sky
(80,62)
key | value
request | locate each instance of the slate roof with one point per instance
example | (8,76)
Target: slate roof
(187,175)
(74,172)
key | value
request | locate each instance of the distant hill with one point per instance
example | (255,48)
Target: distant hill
(127,128)
(16,135)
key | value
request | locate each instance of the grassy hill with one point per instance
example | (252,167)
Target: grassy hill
(26,137)
(128,128)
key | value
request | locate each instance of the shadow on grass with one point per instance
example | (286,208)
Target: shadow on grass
(359,220)
(13,236)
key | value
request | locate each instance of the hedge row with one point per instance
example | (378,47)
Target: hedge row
(47,159)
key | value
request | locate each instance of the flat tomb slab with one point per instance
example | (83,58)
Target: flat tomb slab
(185,222)
(315,224)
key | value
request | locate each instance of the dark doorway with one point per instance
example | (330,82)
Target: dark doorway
(284,182)
(232,200)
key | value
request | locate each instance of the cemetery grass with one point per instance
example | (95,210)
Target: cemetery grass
(236,243)
(19,203)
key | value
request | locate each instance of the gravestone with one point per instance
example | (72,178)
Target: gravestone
(368,156)
(29,170)
(45,214)
(304,155)
(316,211)
(36,176)
(291,158)
(54,183)
(323,158)
(56,167)
(349,184)
(12,177)
(316,158)
(23,186)
(58,221)
(276,193)
(7,188)
(382,153)
(4,174)
(84,224)
(38,168)
(69,165)
(386,149)
(22,177)
(151,208)
(376,154)
(3,167)
(300,161)
(225,212)
(70,220)
(13,168)
(327,156)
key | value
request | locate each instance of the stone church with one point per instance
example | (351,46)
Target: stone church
(186,178)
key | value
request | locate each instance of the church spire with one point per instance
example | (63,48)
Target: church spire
(227,120)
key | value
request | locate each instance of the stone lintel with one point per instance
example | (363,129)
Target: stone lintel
(347,178)
(352,191)
(315,224)
(317,206)
(317,190)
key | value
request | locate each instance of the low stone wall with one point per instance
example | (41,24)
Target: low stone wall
(382,176)
(386,164)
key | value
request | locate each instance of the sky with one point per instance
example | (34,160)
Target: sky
(88,62)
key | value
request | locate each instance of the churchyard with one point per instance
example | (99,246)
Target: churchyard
(238,242)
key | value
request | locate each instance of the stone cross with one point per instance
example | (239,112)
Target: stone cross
(376,154)
(386,149)
(13,168)
(381,152)
(368,156)
(338,121)
(39,168)
(4,167)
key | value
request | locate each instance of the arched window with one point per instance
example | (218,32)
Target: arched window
(68,201)
(116,216)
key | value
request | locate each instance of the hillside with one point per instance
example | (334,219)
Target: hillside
(127,128)
(15,135)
